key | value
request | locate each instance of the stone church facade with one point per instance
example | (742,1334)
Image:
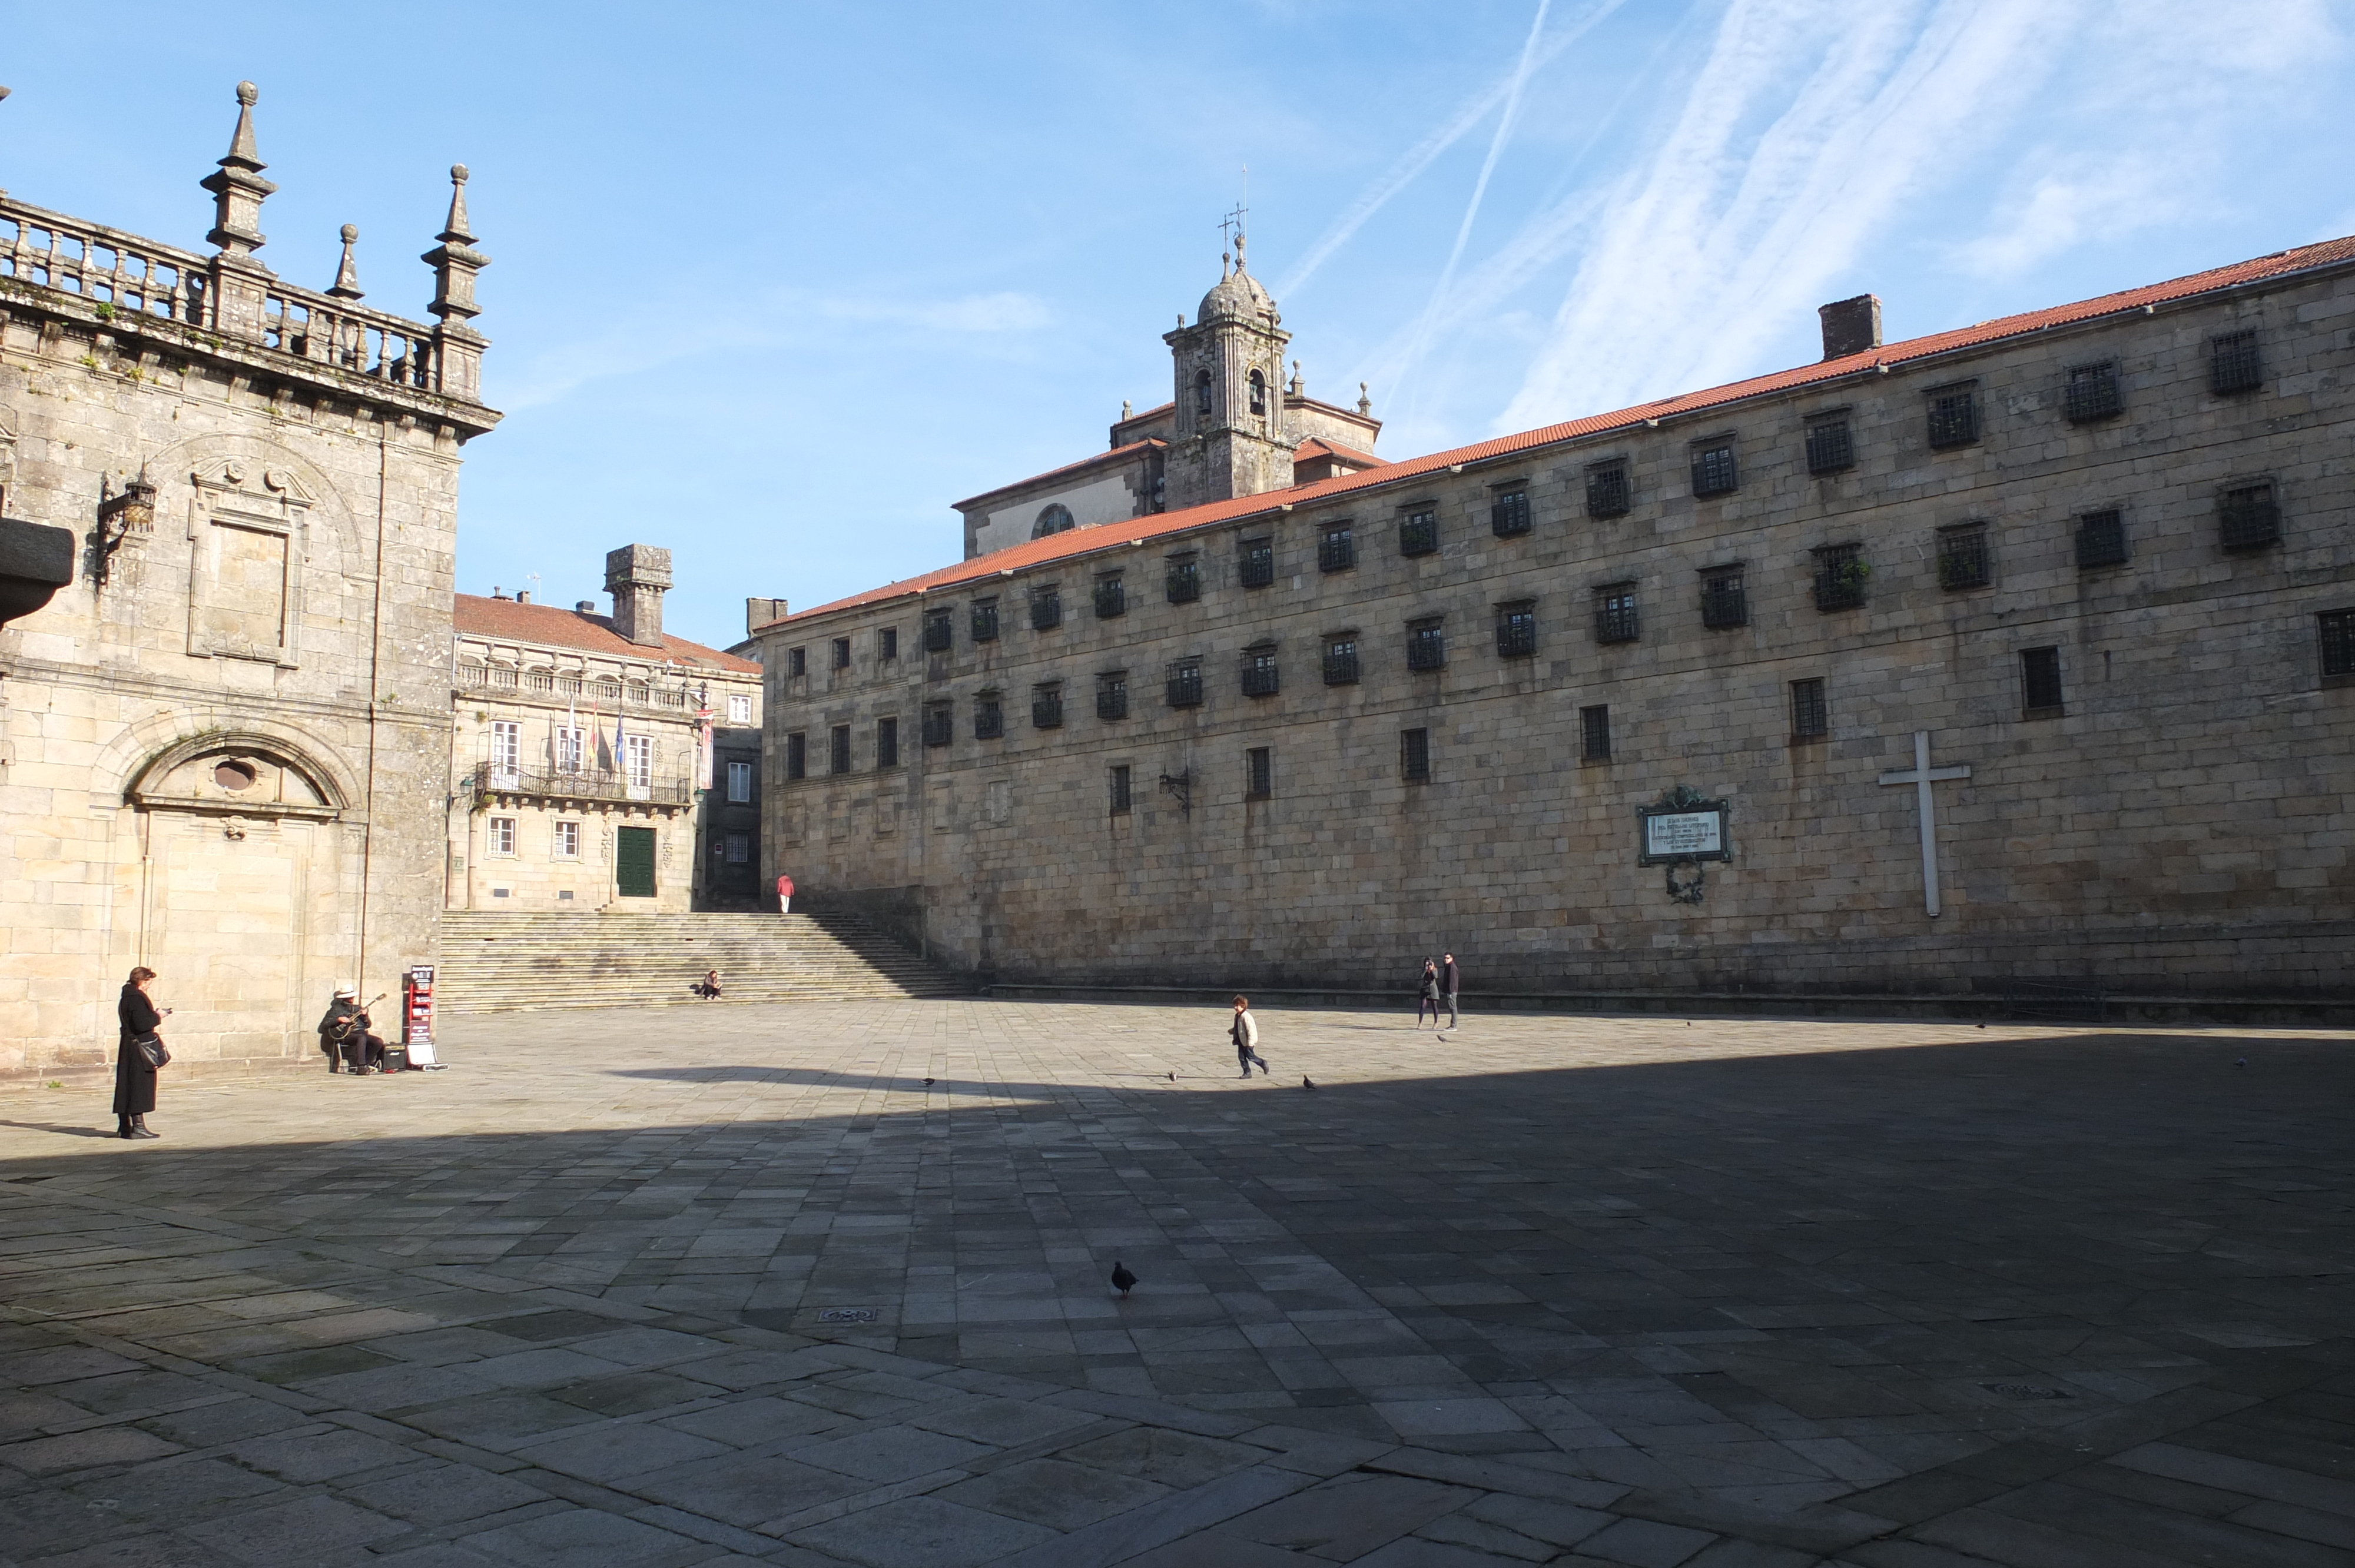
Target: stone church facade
(224,743)
(2023,652)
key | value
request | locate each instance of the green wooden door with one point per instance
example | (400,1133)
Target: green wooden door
(634,862)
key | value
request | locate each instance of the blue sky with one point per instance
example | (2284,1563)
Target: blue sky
(774,284)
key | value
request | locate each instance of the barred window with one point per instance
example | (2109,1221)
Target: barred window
(797,755)
(796,660)
(838,749)
(1186,683)
(1259,670)
(1111,695)
(1414,755)
(887,642)
(887,742)
(1724,599)
(2091,393)
(1185,579)
(2040,681)
(1954,416)
(1830,448)
(1594,733)
(1607,490)
(940,723)
(985,620)
(1112,597)
(2248,518)
(1046,606)
(1517,630)
(1260,773)
(1258,563)
(1426,644)
(1419,531)
(2232,363)
(1336,549)
(1616,617)
(939,630)
(1119,790)
(1713,469)
(1508,512)
(1047,706)
(2336,631)
(842,653)
(1810,718)
(1963,561)
(2101,539)
(989,716)
(1841,573)
(739,849)
(1341,660)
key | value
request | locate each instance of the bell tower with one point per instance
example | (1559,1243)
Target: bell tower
(1231,437)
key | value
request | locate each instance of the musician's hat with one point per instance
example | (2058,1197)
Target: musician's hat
(342,992)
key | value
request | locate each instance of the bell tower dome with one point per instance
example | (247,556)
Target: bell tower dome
(1231,437)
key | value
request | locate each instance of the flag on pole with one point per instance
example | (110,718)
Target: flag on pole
(568,757)
(703,741)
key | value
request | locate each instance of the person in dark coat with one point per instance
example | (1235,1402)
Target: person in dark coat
(344,1035)
(1451,980)
(134,1075)
(1430,997)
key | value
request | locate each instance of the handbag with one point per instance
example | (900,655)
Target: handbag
(152,1050)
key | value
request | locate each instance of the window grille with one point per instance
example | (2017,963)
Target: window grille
(940,724)
(838,749)
(2092,393)
(1509,514)
(1953,418)
(1111,696)
(1121,801)
(1714,471)
(1046,707)
(2248,518)
(887,642)
(1336,549)
(1963,560)
(1841,572)
(2040,680)
(1185,581)
(740,783)
(1607,490)
(1414,755)
(1517,630)
(887,742)
(1112,599)
(1259,673)
(1186,685)
(1418,532)
(2336,631)
(1594,733)
(939,631)
(985,620)
(1831,449)
(1046,608)
(1258,563)
(1427,645)
(989,716)
(1341,661)
(841,654)
(1810,717)
(1724,599)
(739,849)
(796,660)
(797,756)
(2101,539)
(2232,363)
(1261,770)
(1616,617)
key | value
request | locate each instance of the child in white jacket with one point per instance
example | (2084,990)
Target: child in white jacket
(1246,1038)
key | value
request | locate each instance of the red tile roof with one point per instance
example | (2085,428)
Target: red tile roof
(1317,445)
(551,626)
(1079,542)
(1115,455)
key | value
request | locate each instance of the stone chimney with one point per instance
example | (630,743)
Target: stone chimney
(637,576)
(1850,326)
(759,613)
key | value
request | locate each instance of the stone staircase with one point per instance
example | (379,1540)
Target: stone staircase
(507,963)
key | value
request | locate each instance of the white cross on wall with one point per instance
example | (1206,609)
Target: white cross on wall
(1921,775)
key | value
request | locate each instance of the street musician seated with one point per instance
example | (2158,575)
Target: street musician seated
(344,1035)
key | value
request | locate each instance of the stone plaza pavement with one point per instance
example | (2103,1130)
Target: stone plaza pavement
(825,1283)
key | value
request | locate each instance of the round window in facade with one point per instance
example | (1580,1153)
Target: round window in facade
(234,775)
(1053,518)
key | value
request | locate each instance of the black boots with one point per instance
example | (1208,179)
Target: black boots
(133,1127)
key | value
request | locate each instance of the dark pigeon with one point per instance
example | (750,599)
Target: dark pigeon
(1306,1082)
(1121,1277)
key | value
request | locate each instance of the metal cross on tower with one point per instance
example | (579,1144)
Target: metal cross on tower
(1231,226)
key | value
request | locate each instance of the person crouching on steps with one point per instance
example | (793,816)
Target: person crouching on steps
(138,1056)
(1246,1038)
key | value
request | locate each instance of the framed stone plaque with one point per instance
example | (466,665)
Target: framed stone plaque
(1681,826)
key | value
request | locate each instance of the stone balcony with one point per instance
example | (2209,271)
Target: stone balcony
(594,786)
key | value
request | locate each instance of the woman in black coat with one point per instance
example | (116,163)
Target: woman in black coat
(134,1075)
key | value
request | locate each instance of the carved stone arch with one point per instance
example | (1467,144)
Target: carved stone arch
(144,752)
(196,773)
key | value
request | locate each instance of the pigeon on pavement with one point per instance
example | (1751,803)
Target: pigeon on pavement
(1121,1277)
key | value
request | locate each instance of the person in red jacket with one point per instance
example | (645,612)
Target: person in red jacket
(785,893)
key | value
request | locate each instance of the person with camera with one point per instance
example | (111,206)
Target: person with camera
(344,1035)
(138,1056)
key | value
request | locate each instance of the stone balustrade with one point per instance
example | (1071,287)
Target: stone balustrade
(492,784)
(558,685)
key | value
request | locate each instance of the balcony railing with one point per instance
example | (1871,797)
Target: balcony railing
(582,784)
(565,688)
